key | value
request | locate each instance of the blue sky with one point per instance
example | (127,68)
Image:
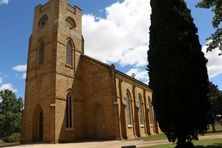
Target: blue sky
(110,20)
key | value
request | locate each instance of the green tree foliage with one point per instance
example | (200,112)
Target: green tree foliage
(214,95)
(178,73)
(213,90)
(216,103)
(10,113)
(215,40)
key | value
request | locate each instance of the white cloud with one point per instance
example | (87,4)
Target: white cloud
(23,76)
(214,64)
(1,79)
(7,86)
(136,56)
(4,86)
(140,74)
(20,68)
(4,2)
(123,37)
(120,37)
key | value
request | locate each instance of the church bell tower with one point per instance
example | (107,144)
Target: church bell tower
(55,47)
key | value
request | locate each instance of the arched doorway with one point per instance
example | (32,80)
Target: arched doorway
(123,122)
(37,124)
(41,126)
(100,125)
(137,121)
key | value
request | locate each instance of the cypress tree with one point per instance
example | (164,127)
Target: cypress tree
(178,73)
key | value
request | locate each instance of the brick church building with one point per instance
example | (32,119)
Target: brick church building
(70,96)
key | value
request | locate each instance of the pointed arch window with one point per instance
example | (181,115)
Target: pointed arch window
(141,113)
(43,21)
(69,109)
(69,53)
(70,23)
(151,111)
(41,54)
(128,108)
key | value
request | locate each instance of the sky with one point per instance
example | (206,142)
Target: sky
(115,32)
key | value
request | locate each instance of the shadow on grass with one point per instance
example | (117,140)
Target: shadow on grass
(211,132)
(215,145)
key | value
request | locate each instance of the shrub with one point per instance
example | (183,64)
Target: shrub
(15,137)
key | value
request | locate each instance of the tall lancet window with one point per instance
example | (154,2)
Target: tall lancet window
(128,108)
(69,52)
(43,21)
(70,23)
(69,109)
(41,53)
(151,111)
(141,114)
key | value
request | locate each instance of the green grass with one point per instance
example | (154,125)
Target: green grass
(218,130)
(214,143)
(153,137)
(163,137)
(209,143)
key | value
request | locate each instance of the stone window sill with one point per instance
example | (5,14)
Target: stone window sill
(70,129)
(142,126)
(41,65)
(69,66)
(130,126)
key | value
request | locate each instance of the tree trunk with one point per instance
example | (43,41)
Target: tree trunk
(213,127)
(182,143)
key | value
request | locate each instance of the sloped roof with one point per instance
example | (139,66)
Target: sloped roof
(116,71)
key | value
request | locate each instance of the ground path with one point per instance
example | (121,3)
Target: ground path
(109,144)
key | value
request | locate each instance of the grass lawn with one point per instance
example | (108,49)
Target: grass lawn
(153,137)
(218,130)
(163,137)
(215,143)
